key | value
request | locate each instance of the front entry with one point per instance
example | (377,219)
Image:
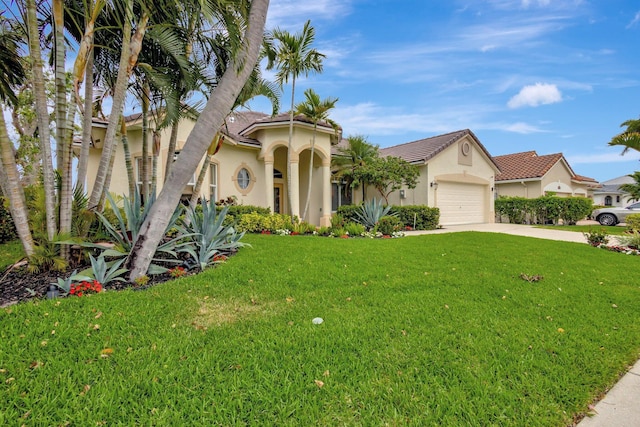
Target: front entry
(277,198)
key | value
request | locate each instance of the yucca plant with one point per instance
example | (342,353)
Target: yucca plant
(205,234)
(371,211)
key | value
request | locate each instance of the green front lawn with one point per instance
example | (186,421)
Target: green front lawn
(426,330)
(10,253)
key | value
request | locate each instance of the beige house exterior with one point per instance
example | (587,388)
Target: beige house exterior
(531,176)
(456,175)
(250,166)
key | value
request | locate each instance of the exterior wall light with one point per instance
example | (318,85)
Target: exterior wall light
(434,185)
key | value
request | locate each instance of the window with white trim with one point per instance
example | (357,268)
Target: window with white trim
(192,181)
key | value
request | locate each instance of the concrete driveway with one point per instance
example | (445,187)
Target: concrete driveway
(515,229)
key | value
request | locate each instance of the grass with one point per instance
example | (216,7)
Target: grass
(9,253)
(426,330)
(610,230)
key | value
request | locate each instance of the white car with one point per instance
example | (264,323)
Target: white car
(613,215)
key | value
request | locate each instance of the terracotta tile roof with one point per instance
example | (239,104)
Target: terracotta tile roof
(425,149)
(526,165)
(237,121)
(585,179)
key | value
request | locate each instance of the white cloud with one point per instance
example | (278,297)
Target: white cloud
(534,95)
(635,20)
(291,14)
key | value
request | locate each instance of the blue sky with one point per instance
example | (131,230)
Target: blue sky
(545,75)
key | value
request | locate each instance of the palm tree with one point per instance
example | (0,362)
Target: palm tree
(356,153)
(316,110)
(632,189)
(292,55)
(12,74)
(218,106)
(630,138)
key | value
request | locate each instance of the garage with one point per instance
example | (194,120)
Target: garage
(461,203)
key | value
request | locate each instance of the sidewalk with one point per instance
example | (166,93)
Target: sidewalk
(620,407)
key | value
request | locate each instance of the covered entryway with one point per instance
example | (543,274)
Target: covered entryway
(461,203)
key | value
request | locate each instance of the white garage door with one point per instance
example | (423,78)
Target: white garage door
(461,203)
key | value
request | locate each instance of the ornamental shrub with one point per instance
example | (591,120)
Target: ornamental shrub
(348,212)
(257,222)
(574,209)
(354,229)
(7,228)
(633,222)
(597,237)
(418,217)
(514,208)
(387,225)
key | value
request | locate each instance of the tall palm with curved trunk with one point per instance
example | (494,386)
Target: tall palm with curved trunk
(356,153)
(630,138)
(12,74)
(218,106)
(316,110)
(293,56)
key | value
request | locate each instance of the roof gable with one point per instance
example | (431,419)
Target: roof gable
(425,149)
(527,165)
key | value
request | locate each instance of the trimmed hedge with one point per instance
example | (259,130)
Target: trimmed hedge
(7,228)
(633,222)
(416,217)
(543,210)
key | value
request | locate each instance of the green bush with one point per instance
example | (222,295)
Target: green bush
(574,209)
(388,225)
(597,237)
(354,229)
(514,208)
(257,222)
(418,217)
(237,210)
(7,229)
(633,222)
(348,212)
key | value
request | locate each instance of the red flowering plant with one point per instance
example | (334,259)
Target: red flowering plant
(177,272)
(85,288)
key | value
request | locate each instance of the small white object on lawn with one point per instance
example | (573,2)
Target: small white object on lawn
(317,320)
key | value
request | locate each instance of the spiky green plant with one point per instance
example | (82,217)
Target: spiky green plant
(103,271)
(371,211)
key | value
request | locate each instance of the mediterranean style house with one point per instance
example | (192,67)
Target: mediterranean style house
(251,165)
(529,175)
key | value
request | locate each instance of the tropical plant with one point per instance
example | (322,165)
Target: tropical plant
(103,271)
(633,189)
(388,174)
(388,225)
(355,154)
(293,56)
(371,211)
(207,235)
(65,284)
(315,110)
(630,138)
(631,240)
(354,228)
(597,237)
(219,103)
(633,222)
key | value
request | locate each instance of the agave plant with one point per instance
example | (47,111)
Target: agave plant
(206,235)
(65,284)
(371,211)
(102,271)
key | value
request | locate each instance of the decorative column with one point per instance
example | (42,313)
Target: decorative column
(268,181)
(325,217)
(294,181)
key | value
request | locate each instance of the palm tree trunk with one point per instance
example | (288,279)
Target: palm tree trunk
(289,149)
(197,188)
(131,46)
(171,151)
(313,146)
(12,189)
(43,119)
(87,123)
(127,159)
(107,183)
(212,117)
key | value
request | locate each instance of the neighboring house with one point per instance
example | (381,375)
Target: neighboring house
(456,175)
(610,194)
(251,165)
(531,176)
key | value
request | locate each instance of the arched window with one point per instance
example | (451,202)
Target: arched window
(608,201)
